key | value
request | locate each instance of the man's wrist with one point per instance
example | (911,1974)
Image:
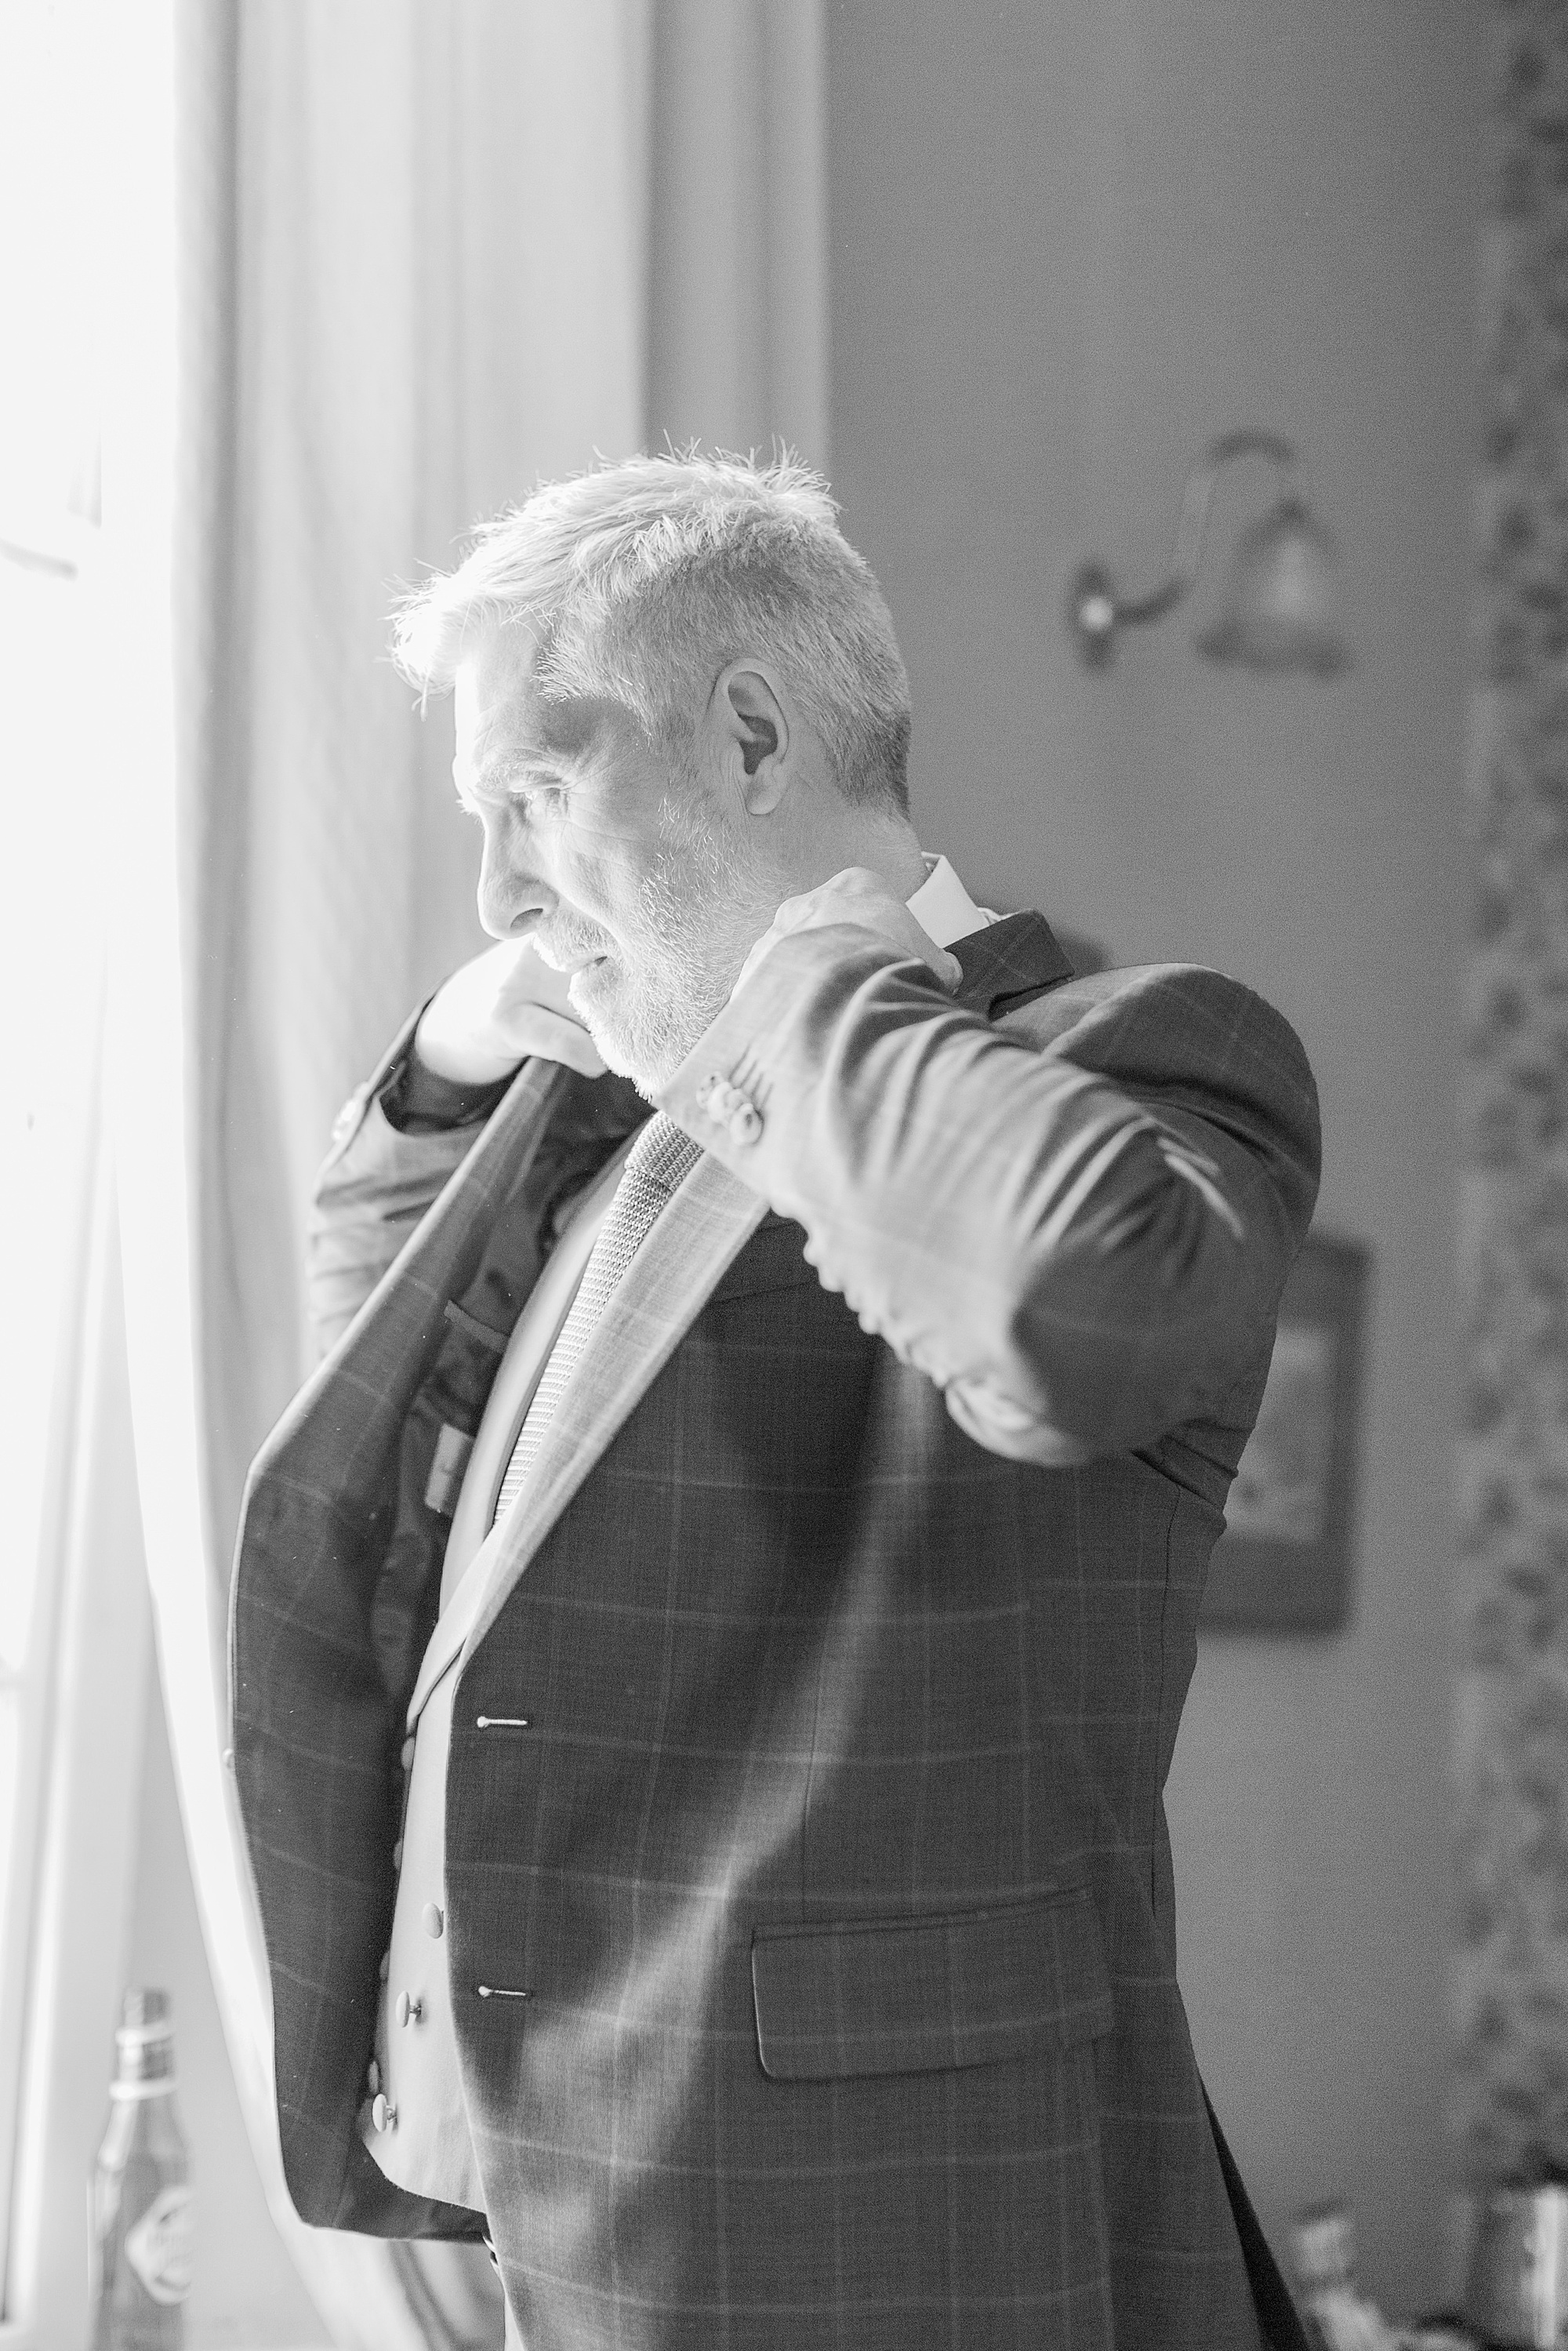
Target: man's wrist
(417,1100)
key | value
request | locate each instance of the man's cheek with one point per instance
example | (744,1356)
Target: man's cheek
(587,855)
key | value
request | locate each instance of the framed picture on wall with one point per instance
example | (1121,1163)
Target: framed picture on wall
(1284,1562)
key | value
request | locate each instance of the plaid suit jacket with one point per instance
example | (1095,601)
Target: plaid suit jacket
(851,1614)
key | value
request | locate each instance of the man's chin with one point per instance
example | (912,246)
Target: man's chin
(642,1044)
(616,1047)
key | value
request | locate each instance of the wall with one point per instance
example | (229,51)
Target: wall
(1070,244)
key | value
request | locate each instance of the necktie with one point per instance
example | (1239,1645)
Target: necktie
(662,1154)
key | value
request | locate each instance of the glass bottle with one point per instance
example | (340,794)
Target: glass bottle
(141,2192)
(1335,2315)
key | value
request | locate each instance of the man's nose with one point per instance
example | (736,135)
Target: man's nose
(511,896)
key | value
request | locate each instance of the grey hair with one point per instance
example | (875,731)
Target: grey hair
(645,577)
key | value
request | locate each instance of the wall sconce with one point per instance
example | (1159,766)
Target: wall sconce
(1277,610)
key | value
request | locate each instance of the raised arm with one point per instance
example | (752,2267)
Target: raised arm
(1076,1222)
(405,1133)
(376,1183)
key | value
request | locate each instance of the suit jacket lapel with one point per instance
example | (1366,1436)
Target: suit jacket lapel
(710,1219)
(708,1222)
(335,1437)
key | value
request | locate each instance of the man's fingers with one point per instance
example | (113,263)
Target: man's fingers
(554,1037)
(526,978)
(856,895)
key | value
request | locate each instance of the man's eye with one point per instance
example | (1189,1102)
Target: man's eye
(536,798)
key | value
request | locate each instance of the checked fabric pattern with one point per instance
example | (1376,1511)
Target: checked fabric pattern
(825,1830)
(658,1160)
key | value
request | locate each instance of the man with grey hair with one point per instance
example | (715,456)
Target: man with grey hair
(709,1640)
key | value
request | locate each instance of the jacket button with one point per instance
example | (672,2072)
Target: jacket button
(409,2011)
(745,1124)
(397,1855)
(408,1754)
(434,1924)
(383,2114)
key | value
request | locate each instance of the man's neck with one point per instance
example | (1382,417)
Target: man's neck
(888,849)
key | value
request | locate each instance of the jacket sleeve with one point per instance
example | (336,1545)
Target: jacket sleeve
(375,1184)
(1076,1222)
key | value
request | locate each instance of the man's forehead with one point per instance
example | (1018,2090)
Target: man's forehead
(494,680)
(500,708)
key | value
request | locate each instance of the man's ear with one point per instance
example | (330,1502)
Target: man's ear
(747,708)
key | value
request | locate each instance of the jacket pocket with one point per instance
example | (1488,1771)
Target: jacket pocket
(915,1995)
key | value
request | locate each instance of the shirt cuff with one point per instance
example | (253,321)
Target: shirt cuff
(415,1100)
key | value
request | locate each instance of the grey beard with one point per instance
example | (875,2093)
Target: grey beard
(697,934)
(654,1037)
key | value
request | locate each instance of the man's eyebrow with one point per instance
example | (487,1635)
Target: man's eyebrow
(562,729)
(499,772)
(567,724)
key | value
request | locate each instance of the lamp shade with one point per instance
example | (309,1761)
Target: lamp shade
(1277,610)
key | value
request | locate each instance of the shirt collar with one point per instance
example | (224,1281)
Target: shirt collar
(944,908)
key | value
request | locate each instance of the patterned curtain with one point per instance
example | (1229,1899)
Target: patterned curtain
(413,251)
(1512,1742)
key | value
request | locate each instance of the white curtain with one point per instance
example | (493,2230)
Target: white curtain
(384,263)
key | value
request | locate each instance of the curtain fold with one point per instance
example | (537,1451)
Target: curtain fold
(436,268)
(406,258)
(738,233)
(92,1702)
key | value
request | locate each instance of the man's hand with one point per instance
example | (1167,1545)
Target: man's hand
(856,895)
(497,1010)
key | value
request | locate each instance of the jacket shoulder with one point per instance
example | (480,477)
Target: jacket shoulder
(1162,1020)
(1188,1041)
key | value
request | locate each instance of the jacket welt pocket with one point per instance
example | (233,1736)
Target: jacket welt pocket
(913,1995)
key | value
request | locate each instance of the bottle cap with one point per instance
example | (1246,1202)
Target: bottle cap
(1322,2248)
(144,2040)
(145,2006)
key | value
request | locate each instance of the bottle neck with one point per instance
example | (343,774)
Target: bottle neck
(144,2061)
